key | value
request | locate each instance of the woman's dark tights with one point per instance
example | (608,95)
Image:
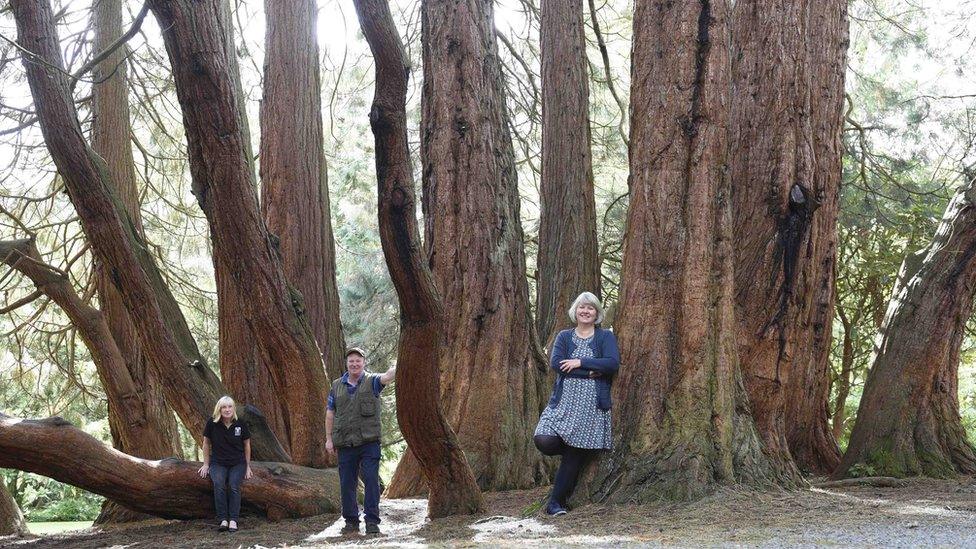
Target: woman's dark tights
(569,466)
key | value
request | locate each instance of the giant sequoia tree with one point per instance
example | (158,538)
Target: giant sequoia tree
(492,380)
(189,385)
(568,262)
(150,432)
(453,489)
(294,185)
(195,40)
(787,77)
(681,419)
(908,421)
(808,432)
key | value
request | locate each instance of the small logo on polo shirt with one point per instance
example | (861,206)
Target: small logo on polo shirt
(237,431)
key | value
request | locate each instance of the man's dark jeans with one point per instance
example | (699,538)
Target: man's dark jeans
(227,489)
(364,460)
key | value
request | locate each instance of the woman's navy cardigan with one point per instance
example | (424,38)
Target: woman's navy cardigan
(605,361)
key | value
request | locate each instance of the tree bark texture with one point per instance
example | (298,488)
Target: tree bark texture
(785,213)
(224,185)
(111,132)
(191,388)
(169,488)
(453,489)
(681,418)
(11,519)
(568,262)
(294,183)
(492,383)
(242,370)
(908,420)
(808,393)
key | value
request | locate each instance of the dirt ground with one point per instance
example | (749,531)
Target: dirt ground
(925,513)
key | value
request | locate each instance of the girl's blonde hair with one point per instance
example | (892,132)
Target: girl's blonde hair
(589,298)
(224,401)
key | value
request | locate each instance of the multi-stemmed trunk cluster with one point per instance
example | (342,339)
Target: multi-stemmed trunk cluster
(727,283)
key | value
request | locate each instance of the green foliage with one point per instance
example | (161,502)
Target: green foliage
(45,500)
(861,470)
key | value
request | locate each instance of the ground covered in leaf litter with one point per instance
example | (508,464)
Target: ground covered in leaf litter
(923,513)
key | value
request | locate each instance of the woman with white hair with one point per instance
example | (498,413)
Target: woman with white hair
(576,423)
(227,459)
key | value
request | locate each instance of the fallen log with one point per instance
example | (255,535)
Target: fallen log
(168,488)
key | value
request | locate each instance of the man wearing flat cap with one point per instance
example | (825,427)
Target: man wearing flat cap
(353,429)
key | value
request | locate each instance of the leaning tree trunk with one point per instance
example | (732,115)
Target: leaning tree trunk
(111,132)
(492,385)
(121,391)
(908,420)
(294,183)
(681,419)
(808,392)
(169,488)
(784,219)
(568,261)
(198,51)
(191,388)
(453,489)
(11,519)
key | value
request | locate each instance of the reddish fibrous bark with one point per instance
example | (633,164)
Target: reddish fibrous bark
(908,421)
(453,489)
(110,140)
(242,370)
(785,163)
(196,43)
(681,419)
(190,387)
(294,184)
(568,260)
(808,392)
(169,488)
(492,384)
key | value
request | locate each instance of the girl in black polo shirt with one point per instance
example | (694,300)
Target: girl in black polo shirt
(227,459)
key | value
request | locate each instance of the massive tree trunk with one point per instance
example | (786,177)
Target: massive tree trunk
(242,370)
(808,391)
(453,489)
(294,183)
(681,418)
(908,421)
(169,488)
(784,219)
(568,261)
(492,385)
(191,388)
(11,519)
(223,183)
(111,132)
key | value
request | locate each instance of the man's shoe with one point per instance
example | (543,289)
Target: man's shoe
(350,528)
(372,528)
(553,509)
(232,527)
(223,526)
